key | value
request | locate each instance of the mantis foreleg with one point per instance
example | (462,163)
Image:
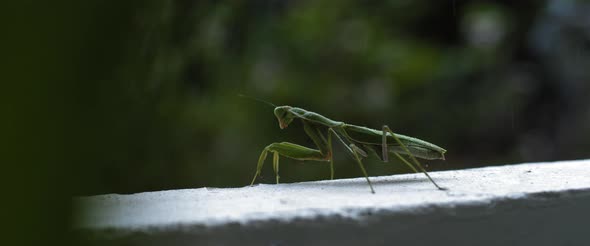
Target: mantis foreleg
(260,163)
(290,150)
(275,165)
(325,146)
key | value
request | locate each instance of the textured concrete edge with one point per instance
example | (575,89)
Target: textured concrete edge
(367,216)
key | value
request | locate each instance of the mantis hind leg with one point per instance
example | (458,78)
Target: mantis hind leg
(290,150)
(416,162)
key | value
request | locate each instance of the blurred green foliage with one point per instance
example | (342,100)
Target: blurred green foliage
(103,97)
(466,75)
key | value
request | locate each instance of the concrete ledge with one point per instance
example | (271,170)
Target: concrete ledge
(535,203)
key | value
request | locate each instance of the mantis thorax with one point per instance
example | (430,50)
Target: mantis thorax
(286,114)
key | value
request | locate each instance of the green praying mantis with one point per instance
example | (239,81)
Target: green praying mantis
(359,142)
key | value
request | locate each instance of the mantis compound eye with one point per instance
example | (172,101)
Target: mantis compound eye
(283,116)
(285,121)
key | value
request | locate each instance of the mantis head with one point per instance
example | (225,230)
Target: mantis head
(284,115)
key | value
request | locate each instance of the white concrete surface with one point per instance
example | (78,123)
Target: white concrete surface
(535,203)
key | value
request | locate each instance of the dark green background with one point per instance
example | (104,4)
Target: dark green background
(121,97)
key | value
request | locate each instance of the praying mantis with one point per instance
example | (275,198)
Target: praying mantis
(359,142)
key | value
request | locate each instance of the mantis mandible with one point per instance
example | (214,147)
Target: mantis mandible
(358,141)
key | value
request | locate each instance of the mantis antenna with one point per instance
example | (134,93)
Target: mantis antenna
(259,100)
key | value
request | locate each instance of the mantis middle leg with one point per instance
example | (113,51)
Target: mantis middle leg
(355,152)
(325,146)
